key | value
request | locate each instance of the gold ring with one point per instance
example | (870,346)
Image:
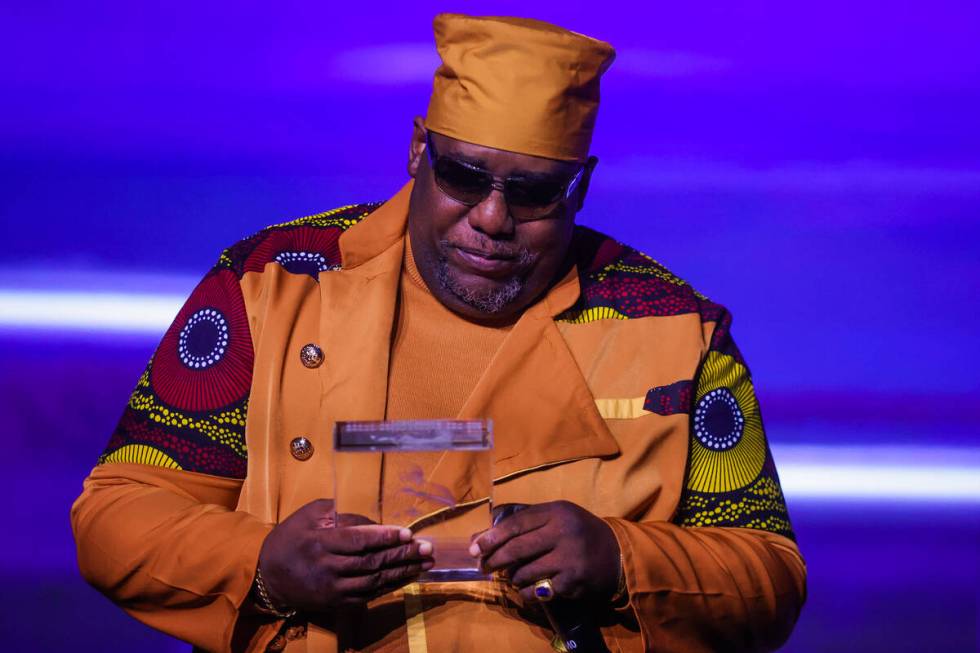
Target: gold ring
(544,591)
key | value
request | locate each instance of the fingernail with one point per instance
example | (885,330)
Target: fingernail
(405,535)
(426,566)
(425,548)
(475,550)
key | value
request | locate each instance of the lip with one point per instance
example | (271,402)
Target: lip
(482,263)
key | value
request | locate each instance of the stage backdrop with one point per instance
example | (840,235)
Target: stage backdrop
(816,168)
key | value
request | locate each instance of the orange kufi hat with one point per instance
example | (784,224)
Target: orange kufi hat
(517,84)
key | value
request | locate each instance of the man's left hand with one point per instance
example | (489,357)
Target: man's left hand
(559,541)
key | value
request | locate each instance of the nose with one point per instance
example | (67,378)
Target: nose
(491,217)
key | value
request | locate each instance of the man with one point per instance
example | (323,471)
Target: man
(625,419)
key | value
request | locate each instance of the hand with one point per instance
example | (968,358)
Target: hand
(560,541)
(309,563)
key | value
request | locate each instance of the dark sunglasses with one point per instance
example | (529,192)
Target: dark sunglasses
(470,185)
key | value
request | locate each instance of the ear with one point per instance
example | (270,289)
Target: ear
(583,186)
(416,149)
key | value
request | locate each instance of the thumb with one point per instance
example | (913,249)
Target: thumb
(322,512)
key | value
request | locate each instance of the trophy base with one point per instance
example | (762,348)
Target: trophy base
(452,575)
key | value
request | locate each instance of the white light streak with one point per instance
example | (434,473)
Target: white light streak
(879,472)
(133,313)
(894,483)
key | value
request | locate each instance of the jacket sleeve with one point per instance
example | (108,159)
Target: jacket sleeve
(156,527)
(168,547)
(725,573)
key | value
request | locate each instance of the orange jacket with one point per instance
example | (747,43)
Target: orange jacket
(621,391)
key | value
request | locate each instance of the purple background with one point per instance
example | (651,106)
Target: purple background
(815,168)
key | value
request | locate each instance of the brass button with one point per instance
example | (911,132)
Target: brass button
(301,448)
(311,355)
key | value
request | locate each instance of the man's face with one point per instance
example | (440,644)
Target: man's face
(479,260)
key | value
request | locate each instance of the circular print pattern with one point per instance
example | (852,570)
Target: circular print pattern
(718,421)
(204,361)
(728,449)
(204,339)
(300,250)
(310,263)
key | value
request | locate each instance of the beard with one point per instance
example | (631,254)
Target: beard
(491,301)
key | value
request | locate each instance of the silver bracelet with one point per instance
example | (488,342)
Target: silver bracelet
(265,603)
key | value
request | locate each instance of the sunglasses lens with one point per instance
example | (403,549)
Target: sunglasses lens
(461,182)
(534,195)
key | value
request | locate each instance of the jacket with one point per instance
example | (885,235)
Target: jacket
(621,390)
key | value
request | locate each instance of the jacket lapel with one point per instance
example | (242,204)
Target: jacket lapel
(542,410)
(357,315)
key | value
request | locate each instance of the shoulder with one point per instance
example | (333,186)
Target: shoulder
(307,245)
(620,282)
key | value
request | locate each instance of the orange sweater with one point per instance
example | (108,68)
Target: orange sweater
(452,351)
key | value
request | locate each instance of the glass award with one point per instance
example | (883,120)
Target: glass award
(432,476)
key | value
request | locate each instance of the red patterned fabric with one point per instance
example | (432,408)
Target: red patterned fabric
(301,250)
(669,399)
(614,276)
(204,361)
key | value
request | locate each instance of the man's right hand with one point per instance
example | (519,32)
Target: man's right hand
(309,563)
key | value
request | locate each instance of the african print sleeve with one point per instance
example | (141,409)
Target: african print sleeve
(156,526)
(189,407)
(725,574)
(731,478)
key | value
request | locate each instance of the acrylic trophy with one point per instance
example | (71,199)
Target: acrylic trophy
(432,476)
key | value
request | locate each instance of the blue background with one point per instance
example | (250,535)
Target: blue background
(816,168)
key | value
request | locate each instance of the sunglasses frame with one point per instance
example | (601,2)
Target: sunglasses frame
(497,183)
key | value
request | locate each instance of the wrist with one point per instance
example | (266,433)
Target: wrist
(264,602)
(621,594)
(618,594)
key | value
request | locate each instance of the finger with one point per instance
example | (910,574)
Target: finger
(411,553)
(356,599)
(505,510)
(519,523)
(520,550)
(320,512)
(371,584)
(558,583)
(320,506)
(398,584)
(547,566)
(359,539)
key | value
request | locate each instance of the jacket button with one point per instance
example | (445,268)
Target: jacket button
(311,355)
(301,448)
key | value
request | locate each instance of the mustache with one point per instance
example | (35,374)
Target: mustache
(494,250)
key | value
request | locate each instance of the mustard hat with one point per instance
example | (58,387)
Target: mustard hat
(517,84)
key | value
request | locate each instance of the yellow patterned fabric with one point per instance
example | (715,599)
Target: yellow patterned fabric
(731,477)
(343,216)
(223,427)
(729,460)
(142,454)
(645,266)
(593,314)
